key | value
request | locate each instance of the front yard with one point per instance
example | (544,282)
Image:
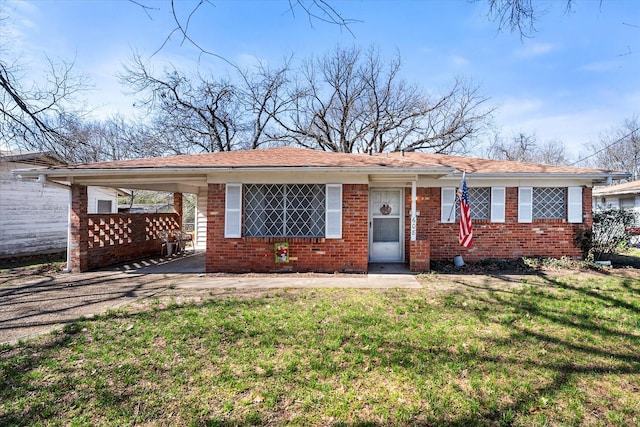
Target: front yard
(553,348)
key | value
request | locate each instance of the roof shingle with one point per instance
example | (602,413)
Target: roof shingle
(290,157)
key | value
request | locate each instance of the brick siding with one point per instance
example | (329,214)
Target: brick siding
(508,240)
(103,239)
(349,254)
(419,255)
(178,203)
(99,240)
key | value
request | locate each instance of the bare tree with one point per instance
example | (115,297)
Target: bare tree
(199,114)
(525,148)
(619,148)
(553,153)
(31,114)
(183,12)
(264,97)
(116,138)
(186,115)
(350,101)
(519,16)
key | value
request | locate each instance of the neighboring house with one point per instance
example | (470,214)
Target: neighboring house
(623,196)
(291,209)
(35,215)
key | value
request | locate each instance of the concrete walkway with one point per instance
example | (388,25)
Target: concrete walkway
(35,304)
(379,275)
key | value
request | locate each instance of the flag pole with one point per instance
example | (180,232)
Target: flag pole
(466,229)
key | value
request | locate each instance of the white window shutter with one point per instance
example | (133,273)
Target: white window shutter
(525,204)
(497,204)
(333,212)
(447,200)
(233,211)
(574,204)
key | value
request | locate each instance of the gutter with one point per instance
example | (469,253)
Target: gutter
(604,176)
(443,171)
(32,173)
(42,179)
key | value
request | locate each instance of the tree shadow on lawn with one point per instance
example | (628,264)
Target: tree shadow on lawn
(571,359)
(35,305)
(528,319)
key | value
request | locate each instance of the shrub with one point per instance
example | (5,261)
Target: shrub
(609,233)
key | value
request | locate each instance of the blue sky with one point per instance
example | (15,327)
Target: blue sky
(578,76)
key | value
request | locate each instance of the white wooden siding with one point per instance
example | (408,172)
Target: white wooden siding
(201,220)
(98,193)
(33,218)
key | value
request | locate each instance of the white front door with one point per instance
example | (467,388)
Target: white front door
(386,225)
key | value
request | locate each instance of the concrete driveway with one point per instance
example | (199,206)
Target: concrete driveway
(33,304)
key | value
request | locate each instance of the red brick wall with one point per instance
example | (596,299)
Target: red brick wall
(349,254)
(99,240)
(115,238)
(178,203)
(508,240)
(420,255)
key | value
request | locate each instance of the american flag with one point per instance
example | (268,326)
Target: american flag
(466,229)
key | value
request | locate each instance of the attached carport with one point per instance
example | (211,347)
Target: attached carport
(97,240)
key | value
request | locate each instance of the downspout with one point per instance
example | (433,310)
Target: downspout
(42,179)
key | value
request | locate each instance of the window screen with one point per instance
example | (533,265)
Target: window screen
(284,210)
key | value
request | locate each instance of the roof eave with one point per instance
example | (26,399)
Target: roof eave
(73,172)
(545,175)
(440,171)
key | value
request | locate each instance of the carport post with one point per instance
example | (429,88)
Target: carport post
(79,229)
(177,205)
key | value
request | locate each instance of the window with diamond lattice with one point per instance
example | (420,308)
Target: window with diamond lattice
(479,203)
(549,203)
(284,210)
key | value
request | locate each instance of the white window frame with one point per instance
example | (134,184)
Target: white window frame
(447,208)
(233,211)
(496,204)
(110,201)
(573,212)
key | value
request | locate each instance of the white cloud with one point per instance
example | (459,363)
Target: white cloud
(459,61)
(17,22)
(577,130)
(600,66)
(534,50)
(516,107)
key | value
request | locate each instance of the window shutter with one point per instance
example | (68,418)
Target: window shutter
(525,204)
(233,211)
(333,218)
(497,204)
(447,200)
(574,204)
